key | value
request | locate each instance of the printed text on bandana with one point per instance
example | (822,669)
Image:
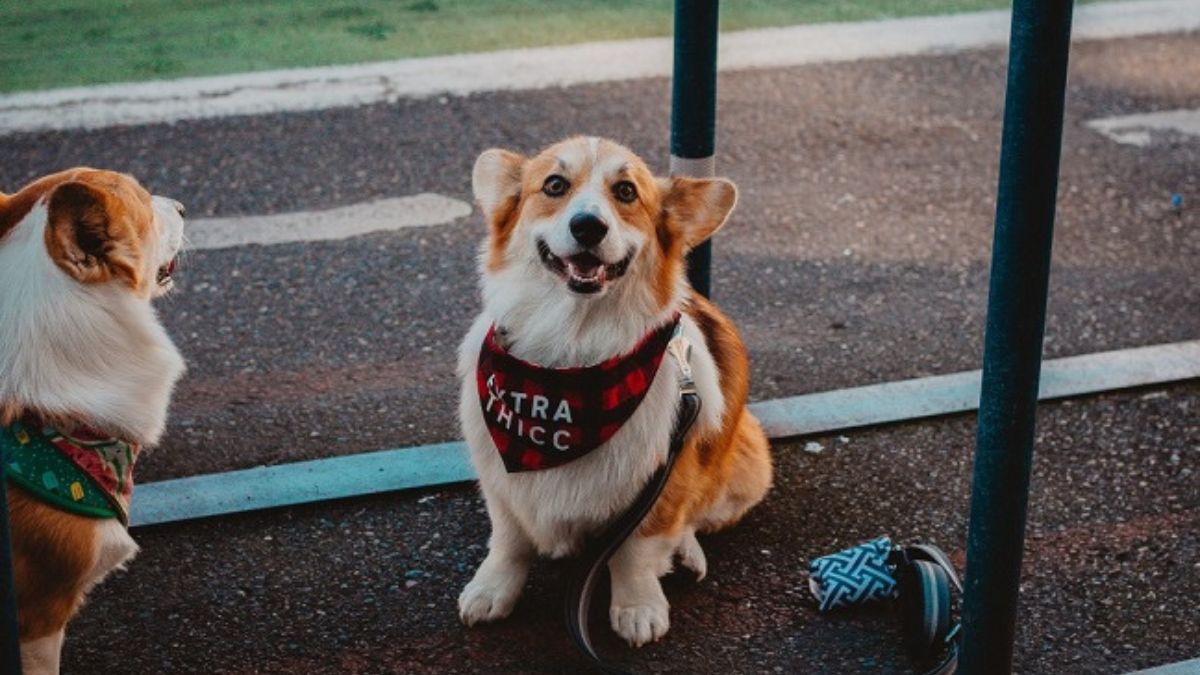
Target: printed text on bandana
(540,418)
(536,407)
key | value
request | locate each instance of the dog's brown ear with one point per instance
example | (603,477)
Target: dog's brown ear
(496,180)
(86,239)
(698,207)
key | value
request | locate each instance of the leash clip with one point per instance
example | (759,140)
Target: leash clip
(681,350)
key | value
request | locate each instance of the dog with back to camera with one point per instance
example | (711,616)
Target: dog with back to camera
(567,403)
(86,374)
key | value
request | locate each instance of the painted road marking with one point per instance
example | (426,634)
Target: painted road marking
(1136,129)
(1190,667)
(959,392)
(422,210)
(342,86)
(430,465)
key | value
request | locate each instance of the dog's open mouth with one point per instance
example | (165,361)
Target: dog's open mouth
(585,272)
(166,272)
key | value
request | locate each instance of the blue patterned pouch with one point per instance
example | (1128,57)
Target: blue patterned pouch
(853,576)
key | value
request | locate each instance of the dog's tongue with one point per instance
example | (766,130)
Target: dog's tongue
(585,266)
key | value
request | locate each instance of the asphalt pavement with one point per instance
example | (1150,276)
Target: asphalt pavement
(858,254)
(369,585)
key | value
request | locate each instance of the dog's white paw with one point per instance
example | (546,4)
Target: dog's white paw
(641,624)
(692,557)
(489,596)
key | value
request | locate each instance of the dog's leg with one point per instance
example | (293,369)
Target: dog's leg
(749,477)
(497,584)
(41,656)
(691,555)
(640,611)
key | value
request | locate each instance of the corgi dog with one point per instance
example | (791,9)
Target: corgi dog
(86,374)
(567,405)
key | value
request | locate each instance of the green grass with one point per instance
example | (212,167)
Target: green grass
(56,43)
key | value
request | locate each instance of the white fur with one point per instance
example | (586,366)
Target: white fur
(550,512)
(489,191)
(556,508)
(86,350)
(114,549)
(42,656)
(591,197)
(95,350)
(639,611)
(168,227)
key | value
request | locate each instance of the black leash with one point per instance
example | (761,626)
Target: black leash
(926,574)
(601,550)
(926,579)
(10,641)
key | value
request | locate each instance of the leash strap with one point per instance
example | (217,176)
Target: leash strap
(949,663)
(928,553)
(596,556)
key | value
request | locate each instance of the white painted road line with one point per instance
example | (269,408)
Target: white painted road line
(267,487)
(342,86)
(1136,129)
(420,210)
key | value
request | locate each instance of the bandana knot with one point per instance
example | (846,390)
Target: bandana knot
(540,418)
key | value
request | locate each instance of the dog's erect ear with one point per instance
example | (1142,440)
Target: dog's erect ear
(496,179)
(698,207)
(84,239)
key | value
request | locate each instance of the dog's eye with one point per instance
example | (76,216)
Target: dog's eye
(625,191)
(556,186)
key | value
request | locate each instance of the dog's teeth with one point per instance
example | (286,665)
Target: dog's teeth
(579,276)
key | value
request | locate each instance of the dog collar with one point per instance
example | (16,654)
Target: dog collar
(84,472)
(540,418)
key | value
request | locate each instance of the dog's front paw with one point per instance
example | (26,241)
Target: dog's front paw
(489,596)
(641,624)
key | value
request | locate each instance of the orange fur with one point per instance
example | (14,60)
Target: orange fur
(605,206)
(733,465)
(668,210)
(502,225)
(14,207)
(504,218)
(731,468)
(98,224)
(54,553)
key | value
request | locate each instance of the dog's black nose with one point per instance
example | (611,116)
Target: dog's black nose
(588,229)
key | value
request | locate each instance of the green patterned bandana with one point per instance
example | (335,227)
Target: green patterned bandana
(83,472)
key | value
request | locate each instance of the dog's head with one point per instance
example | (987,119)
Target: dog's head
(586,216)
(103,227)
(82,253)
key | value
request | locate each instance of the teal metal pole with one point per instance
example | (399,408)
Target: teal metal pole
(1029,157)
(694,110)
(10,645)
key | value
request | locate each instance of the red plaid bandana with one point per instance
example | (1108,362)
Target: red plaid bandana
(541,418)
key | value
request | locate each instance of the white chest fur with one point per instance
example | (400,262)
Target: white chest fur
(556,507)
